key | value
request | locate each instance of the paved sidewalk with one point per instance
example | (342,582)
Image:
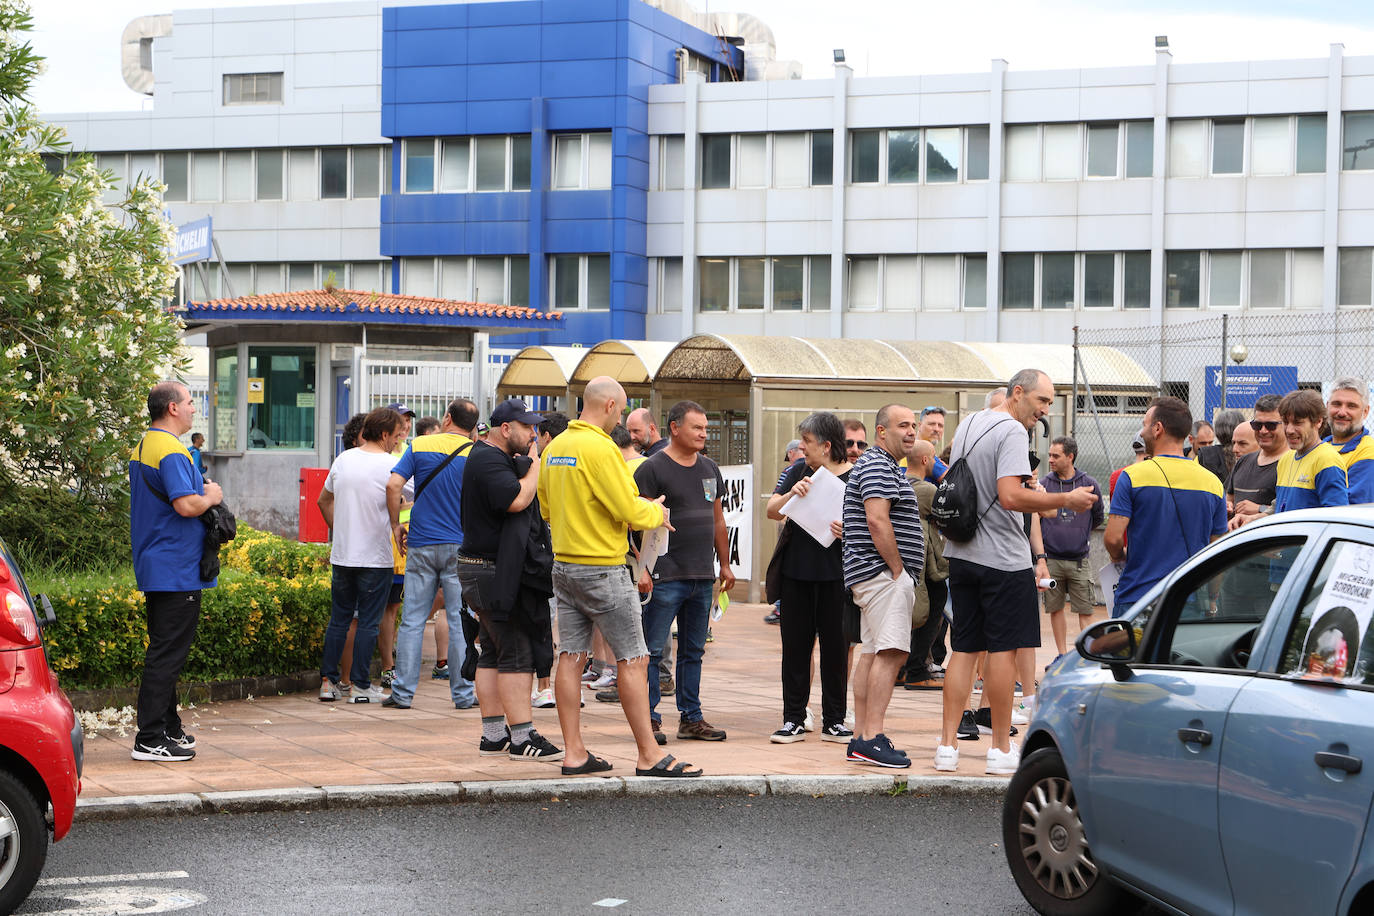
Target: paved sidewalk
(298,742)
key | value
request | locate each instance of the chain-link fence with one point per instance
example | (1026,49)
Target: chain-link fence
(1213,363)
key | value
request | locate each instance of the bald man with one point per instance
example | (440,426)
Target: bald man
(590,500)
(931,590)
(644,432)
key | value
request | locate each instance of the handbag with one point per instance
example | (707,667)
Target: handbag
(772,579)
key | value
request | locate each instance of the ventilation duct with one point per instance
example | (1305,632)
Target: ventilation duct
(136,50)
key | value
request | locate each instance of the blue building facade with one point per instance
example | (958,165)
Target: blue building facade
(533,69)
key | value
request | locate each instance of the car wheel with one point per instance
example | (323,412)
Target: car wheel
(23,842)
(1046,847)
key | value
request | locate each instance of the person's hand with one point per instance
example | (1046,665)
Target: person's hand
(1042,571)
(645,583)
(801,487)
(1241,519)
(1080,499)
(896,573)
(398,531)
(666,524)
(213,493)
(837,529)
(727,578)
(1247,507)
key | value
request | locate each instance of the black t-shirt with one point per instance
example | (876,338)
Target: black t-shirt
(1253,481)
(490,485)
(805,559)
(690,494)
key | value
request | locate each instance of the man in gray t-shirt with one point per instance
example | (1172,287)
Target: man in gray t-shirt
(991,581)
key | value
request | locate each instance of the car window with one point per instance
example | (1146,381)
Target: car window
(1331,637)
(1216,611)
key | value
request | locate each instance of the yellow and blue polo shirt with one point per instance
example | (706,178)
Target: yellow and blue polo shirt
(1175,507)
(1315,479)
(167,546)
(1358,457)
(436,516)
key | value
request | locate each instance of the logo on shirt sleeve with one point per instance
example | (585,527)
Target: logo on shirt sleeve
(567,461)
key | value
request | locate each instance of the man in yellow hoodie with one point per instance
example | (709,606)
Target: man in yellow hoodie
(589,498)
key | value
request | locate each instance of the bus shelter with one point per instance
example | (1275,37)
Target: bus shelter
(539,372)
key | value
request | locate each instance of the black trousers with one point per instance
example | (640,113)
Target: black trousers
(923,637)
(172,619)
(814,611)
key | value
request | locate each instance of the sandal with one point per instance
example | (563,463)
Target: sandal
(593,764)
(665,767)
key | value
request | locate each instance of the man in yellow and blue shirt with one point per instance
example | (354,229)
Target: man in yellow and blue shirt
(1312,474)
(1346,410)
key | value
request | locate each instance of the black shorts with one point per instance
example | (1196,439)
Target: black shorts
(849,620)
(994,610)
(397,592)
(518,643)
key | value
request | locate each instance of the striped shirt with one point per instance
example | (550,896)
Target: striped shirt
(876,475)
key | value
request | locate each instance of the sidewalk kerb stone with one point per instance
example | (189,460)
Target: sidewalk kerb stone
(409,793)
(984,786)
(122,807)
(859,784)
(640,786)
(250,800)
(563,787)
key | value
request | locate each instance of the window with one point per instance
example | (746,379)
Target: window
(822,158)
(567,161)
(333,173)
(453,279)
(462,164)
(1061,153)
(903,156)
(367,180)
(205,176)
(417,277)
(238,175)
(1228,147)
(1271,146)
(788,285)
(455,164)
(1099,280)
(785,283)
(1357,144)
(252,88)
(1311,143)
(1184,269)
(715,284)
(819,295)
(367,276)
(671,164)
(752,169)
(975,281)
(1355,269)
(599,160)
(1187,145)
(304,179)
(1140,149)
(489,280)
(790,160)
(224,408)
(300,276)
(116,164)
(670,285)
(269,174)
(175,175)
(1102,150)
(942,154)
(1327,640)
(1023,152)
(715,161)
(582,161)
(489,156)
(1223,286)
(1307,279)
(565,275)
(1268,278)
(580,282)
(285,418)
(1136,280)
(863,284)
(750,285)
(939,282)
(901,283)
(267,278)
(1056,281)
(977,153)
(864,151)
(1018,281)
(520,163)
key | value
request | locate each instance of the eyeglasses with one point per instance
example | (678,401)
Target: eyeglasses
(855,443)
(1270,425)
(934,408)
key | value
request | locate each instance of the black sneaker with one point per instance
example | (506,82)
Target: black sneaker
(390,703)
(791,733)
(488,748)
(182,740)
(772,617)
(659,738)
(164,750)
(536,748)
(968,728)
(878,752)
(983,720)
(838,733)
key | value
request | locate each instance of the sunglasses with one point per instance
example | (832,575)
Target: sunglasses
(1270,425)
(855,443)
(935,408)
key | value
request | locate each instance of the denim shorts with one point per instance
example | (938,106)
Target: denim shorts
(603,596)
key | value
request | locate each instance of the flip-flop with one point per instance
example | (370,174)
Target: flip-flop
(666,768)
(593,764)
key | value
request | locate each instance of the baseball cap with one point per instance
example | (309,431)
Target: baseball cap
(1137,445)
(401,409)
(514,411)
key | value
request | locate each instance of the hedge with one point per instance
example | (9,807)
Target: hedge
(266,617)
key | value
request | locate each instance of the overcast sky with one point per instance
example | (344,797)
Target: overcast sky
(80,38)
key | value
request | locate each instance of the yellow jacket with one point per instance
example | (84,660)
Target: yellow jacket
(589,497)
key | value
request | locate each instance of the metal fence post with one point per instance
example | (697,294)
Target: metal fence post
(1225,320)
(1073,404)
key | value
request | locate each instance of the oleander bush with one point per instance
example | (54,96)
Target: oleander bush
(266,617)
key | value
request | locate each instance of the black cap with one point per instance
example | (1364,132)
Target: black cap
(401,409)
(514,411)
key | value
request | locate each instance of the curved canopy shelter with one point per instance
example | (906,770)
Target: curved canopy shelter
(539,372)
(633,363)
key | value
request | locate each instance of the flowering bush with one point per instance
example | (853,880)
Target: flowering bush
(83,331)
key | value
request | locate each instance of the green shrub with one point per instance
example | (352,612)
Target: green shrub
(53,528)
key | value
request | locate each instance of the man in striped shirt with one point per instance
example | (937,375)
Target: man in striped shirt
(884,551)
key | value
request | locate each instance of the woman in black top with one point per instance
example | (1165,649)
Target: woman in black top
(812,591)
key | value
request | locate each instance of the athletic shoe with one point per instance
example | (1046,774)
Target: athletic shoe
(809,723)
(852,752)
(345,688)
(589,675)
(329,692)
(710,637)
(388,677)
(164,750)
(836,733)
(700,730)
(968,727)
(543,699)
(666,687)
(886,742)
(878,752)
(983,718)
(946,758)
(183,741)
(607,679)
(610,695)
(536,748)
(1018,717)
(659,738)
(1017,691)
(772,617)
(372,694)
(440,673)
(488,748)
(790,733)
(391,703)
(1003,763)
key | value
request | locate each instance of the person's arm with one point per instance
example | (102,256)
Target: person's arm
(1037,543)
(1016,498)
(193,505)
(194,493)
(1360,480)
(529,486)
(1099,511)
(614,487)
(878,513)
(722,539)
(788,486)
(326,504)
(542,486)
(1114,538)
(394,483)
(1332,489)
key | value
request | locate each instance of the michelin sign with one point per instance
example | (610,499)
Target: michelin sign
(1246,384)
(192,242)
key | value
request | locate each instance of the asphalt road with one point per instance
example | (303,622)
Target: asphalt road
(907,854)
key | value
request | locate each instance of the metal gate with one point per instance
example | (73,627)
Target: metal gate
(424,387)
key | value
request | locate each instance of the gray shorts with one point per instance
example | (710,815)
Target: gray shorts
(603,596)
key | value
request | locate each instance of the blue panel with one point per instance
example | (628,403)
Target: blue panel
(388,18)
(504,13)
(580,40)
(633,206)
(388,86)
(504,44)
(561,79)
(581,114)
(505,205)
(428,84)
(578,236)
(388,47)
(580,10)
(505,81)
(494,238)
(639,41)
(636,269)
(578,205)
(452,16)
(430,119)
(506,116)
(636,173)
(434,46)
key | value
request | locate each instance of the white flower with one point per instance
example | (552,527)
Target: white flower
(34,282)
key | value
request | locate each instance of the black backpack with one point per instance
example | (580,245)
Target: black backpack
(955,507)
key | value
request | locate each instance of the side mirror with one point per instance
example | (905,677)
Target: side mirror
(1111,642)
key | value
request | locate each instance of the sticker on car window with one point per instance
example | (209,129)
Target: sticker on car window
(1337,643)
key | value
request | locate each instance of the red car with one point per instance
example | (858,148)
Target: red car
(41,742)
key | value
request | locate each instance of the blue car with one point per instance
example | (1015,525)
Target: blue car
(1206,751)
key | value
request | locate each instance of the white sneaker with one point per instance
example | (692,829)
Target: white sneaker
(809,723)
(1003,763)
(1027,704)
(849,718)
(606,680)
(1018,717)
(542,699)
(329,692)
(946,758)
(372,694)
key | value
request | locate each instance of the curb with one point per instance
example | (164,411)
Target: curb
(124,807)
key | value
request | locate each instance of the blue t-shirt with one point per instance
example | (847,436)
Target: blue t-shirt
(937,470)
(1175,507)
(197,461)
(1358,457)
(1314,480)
(167,546)
(436,517)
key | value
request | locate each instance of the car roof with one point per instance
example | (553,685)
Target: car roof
(1351,515)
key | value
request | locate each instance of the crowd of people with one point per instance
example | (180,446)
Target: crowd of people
(537,543)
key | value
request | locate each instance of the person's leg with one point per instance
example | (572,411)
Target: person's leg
(461,690)
(958,684)
(422,582)
(999,672)
(886,604)
(386,635)
(798,632)
(348,645)
(343,598)
(1060,627)
(172,618)
(1061,572)
(601,654)
(881,676)
(658,616)
(574,641)
(923,637)
(693,619)
(373,587)
(665,658)
(966,640)
(440,629)
(632,678)
(830,634)
(860,680)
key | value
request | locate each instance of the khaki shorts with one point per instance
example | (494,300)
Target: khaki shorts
(1072,579)
(884,612)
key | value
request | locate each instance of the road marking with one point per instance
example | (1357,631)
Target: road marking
(113,879)
(118,901)
(610,902)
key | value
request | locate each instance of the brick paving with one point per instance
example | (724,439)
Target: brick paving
(297,741)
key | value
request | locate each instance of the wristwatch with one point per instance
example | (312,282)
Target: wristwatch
(1042,556)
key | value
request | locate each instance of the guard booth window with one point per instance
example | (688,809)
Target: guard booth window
(281,397)
(727,436)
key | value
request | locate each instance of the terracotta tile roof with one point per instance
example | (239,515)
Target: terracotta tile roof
(340,301)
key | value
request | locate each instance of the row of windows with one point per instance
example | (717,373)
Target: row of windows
(1068,152)
(461,164)
(1262,278)
(576,281)
(790,283)
(211,176)
(1285,145)
(249,88)
(250,278)
(1069,280)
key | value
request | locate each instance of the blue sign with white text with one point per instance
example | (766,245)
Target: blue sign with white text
(192,242)
(1246,384)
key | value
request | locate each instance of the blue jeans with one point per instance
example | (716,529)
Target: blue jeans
(427,570)
(360,589)
(689,600)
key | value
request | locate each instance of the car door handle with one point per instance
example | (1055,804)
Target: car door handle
(1195,736)
(1328,760)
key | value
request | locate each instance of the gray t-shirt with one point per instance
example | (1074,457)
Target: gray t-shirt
(1004,451)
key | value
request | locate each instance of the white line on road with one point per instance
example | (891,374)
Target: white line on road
(610,902)
(113,879)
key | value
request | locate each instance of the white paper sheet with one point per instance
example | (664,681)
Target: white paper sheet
(822,504)
(653,545)
(1108,576)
